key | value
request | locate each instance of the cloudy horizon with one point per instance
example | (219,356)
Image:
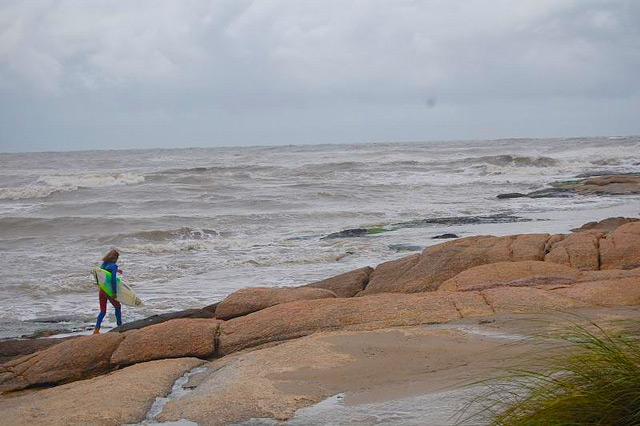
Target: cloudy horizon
(78,75)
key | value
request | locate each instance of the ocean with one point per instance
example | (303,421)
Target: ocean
(196,224)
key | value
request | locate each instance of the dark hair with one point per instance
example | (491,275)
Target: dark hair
(112,256)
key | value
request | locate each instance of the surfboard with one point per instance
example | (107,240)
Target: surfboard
(124,295)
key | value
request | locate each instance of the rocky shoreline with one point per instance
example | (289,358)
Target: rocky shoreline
(479,278)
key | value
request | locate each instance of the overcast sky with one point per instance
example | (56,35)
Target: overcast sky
(87,74)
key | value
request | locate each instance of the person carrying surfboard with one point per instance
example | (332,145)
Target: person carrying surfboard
(109,264)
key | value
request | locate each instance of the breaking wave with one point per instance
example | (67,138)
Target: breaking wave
(48,184)
(181,234)
(510,160)
(91,180)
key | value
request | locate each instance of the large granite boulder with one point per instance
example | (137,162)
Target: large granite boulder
(436,264)
(172,339)
(579,250)
(301,318)
(513,274)
(248,300)
(67,361)
(345,285)
(621,248)
(121,397)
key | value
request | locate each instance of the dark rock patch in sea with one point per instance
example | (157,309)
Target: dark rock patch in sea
(405,247)
(356,232)
(461,220)
(590,183)
(206,312)
(444,236)
(420,223)
(61,319)
(511,195)
(551,193)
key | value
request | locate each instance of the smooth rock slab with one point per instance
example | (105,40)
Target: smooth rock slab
(248,300)
(124,396)
(297,319)
(172,339)
(613,292)
(516,274)
(528,299)
(67,361)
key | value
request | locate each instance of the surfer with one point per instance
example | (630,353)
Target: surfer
(109,264)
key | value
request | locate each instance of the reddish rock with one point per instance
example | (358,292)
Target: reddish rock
(528,299)
(608,274)
(515,274)
(612,292)
(578,250)
(254,299)
(436,264)
(67,361)
(171,339)
(296,319)
(621,248)
(345,285)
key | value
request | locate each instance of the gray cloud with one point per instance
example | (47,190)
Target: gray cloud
(77,74)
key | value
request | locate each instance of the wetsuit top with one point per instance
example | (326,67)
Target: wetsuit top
(113,268)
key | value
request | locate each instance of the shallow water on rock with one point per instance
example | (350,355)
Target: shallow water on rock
(178,390)
(437,408)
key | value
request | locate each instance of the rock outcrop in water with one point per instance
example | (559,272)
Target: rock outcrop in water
(616,184)
(463,278)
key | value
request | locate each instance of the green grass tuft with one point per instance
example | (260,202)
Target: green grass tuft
(595,380)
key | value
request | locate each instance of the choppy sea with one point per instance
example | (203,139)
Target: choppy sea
(195,224)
